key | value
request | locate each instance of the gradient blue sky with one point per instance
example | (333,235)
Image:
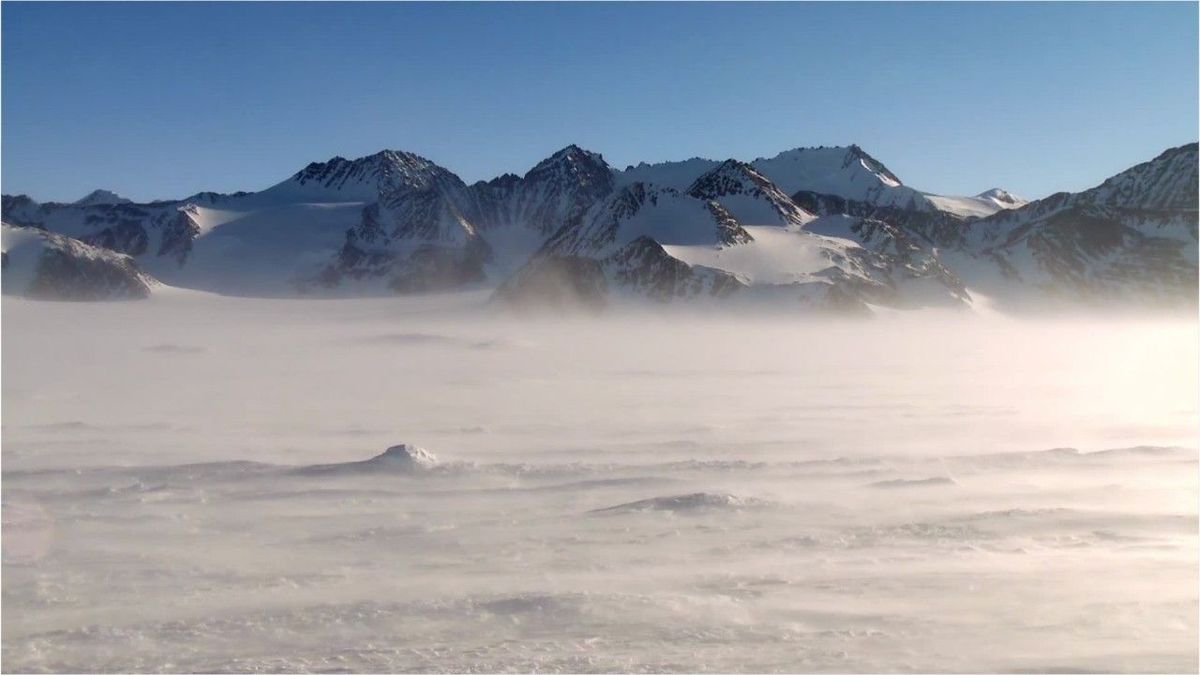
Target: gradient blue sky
(163,100)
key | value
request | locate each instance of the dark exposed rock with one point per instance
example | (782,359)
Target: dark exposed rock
(644,269)
(735,178)
(68,269)
(421,228)
(433,268)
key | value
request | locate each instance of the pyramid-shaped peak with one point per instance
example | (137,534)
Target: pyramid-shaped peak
(574,150)
(101,197)
(572,161)
(573,154)
(368,176)
(723,178)
(735,165)
(396,158)
(733,182)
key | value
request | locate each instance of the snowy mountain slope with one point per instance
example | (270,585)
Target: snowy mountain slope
(658,243)
(439,233)
(640,210)
(1167,182)
(392,220)
(375,256)
(1134,236)
(640,269)
(387,176)
(826,224)
(617,248)
(555,192)
(239,245)
(1164,184)
(675,175)
(939,228)
(409,225)
(772,256)
(265,243)
(47,266)
(851,173)
(846,172)
(902,260)
(259,251)
(1002,198)
(144,231)
(748,196)
(417,199)
(978,206)
(645,268)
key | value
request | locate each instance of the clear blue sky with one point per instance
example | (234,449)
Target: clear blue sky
(162,100)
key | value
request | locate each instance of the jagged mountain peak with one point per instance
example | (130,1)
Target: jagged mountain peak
(504,180)
(731,176)
(560,188)
(650,165)
(383,165)
(572,160)
(749,195)
(717,181)
(733,164)
(366,179)
(573,150)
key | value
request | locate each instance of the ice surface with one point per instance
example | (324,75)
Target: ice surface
(775,256)
(689,502)
(160,513)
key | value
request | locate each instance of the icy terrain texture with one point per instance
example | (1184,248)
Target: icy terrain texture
(204,483)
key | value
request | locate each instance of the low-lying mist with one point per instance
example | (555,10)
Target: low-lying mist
(189,485)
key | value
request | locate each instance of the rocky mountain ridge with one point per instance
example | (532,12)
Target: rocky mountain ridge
(820,227)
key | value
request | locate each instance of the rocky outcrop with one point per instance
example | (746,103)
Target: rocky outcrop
(46,266)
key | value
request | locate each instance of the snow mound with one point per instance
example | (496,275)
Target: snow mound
(690,502)
(401,458)
(406,456)
(1002,198)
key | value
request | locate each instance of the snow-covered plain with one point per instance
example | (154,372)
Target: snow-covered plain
(184,490)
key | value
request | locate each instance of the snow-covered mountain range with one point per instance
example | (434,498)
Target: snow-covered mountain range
(817,227)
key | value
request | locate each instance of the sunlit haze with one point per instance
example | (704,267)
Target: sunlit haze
(600,337)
